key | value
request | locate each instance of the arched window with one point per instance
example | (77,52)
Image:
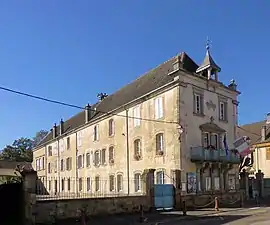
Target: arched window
(111,127)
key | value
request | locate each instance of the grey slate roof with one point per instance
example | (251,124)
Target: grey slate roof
(208,62)
(253,131)
(144,84)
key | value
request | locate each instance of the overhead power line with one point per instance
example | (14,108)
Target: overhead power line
(79,107)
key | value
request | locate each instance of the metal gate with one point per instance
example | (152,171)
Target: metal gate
(164,196)
(11,196)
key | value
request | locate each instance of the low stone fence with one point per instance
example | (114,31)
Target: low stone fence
(46,210)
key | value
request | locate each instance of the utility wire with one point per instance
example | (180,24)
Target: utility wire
(79,107)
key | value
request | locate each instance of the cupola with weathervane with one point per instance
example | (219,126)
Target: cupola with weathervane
(208,69)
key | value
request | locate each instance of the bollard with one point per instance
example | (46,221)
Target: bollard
(216,204)
(257,200)
(184,208)
(142,217)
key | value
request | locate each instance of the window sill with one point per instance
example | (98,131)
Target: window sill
(223,121)
(198,114)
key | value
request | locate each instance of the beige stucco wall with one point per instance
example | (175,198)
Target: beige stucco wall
(260,161)
(146,132)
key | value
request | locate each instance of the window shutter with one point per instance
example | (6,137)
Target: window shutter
(161,113)
(156,108)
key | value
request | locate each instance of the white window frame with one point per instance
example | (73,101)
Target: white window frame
(96,133)
(79,139)
(137,182)
(160,141)
(160,177)
(208,183)
(111,127)
(159,108)
(222,111)
(136,115)
(198,104)
(80,157)
(138,146)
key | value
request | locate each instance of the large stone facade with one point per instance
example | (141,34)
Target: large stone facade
(172,129)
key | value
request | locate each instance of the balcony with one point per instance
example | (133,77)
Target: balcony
(200,154)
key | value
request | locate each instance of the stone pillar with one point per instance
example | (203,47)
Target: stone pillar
(259,183)
(178,189)
(29,187)
(244,183)
(221,178)
(149,175)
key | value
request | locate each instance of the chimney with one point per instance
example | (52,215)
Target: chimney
(263,133)
(87,113)
(61,127)
(54,131)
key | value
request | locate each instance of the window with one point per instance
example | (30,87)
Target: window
(223,111)
(79,139)
(111,154)
(37,164)
(216,183)
(160,177)
(97,158)
(88,184)
(68,163)
(103,156)
(61,145)
(211,139)
(111,127)
(231,181)
(49,185)
(208,183)
(50,151)
(68,184)
(119,179)
(62,165)
(137,182)
(159,144)
(96,133)
(159,108)
(267,150)
(63,184)
(88,159)
(137,149)
(112,184)
(80,161)
(136,115)
(43,163)
(80,184)
(198,103)
(55,166)
(68,143)
(97,183)
(206,139)
(55,186)
(214,140)
(49,167)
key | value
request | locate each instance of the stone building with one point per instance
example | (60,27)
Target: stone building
(172,119)
(259,134)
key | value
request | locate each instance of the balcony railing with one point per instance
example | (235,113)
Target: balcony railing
(218,155)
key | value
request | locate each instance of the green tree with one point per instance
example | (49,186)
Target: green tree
(21,149)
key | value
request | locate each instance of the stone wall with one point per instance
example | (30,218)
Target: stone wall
(64,209)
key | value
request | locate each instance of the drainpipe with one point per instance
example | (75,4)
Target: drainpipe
(58,167)
(76,163)
(127,145)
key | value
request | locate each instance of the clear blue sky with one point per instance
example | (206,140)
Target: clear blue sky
(71,50)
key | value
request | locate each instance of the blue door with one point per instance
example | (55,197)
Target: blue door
(164,196)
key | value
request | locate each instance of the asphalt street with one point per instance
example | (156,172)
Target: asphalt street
(251,216)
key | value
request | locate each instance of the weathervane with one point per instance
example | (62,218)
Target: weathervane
(208,42)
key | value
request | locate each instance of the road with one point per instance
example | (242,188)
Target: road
(251,216)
